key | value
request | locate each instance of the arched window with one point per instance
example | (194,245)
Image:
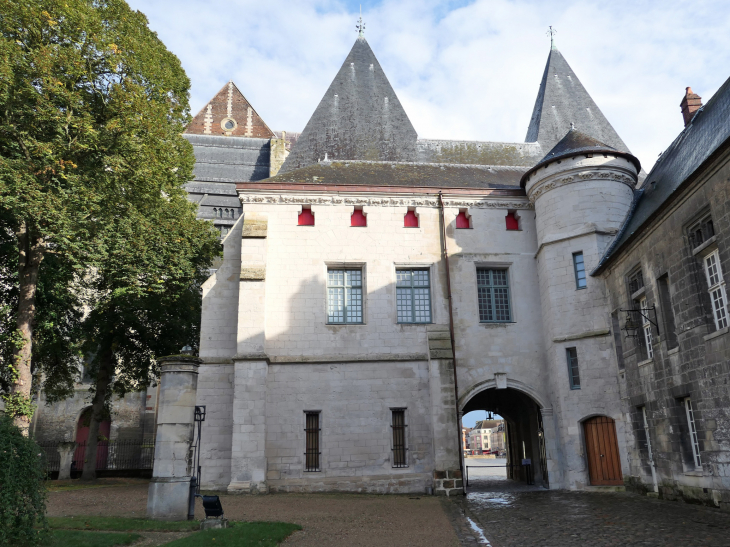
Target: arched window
(462,221)
(410,220)
(358,218)
(512,220)
(306,217)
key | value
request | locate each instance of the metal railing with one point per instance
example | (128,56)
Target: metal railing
(111,455)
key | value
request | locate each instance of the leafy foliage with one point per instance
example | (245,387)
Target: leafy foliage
(92,167)
(22,490)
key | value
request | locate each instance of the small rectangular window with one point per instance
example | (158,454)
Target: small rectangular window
(636,281)
(311,451)
(646,328)
(413,296)
(665,301)
(398,425)
(693,432)
(573,374)
(580,271)
(493,296)
(344,296)
(700,231)
(716,285)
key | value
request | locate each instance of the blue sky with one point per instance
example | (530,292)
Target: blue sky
(462,69)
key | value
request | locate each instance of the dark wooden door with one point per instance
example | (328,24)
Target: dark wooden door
(604,463)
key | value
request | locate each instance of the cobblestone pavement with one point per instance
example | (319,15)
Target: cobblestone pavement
(510,516)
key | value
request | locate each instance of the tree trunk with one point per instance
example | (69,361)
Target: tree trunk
(30,250)
(103,381)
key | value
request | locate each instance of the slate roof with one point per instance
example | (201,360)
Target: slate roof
(563,100)
(479,152)
(229,159)
(370,173)
(686,156)
(359,117)
(573,143)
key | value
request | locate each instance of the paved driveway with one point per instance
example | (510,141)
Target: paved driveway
(509,514)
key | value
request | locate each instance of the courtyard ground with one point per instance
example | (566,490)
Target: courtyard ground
(495,512)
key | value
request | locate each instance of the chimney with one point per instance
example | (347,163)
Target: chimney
(690,104)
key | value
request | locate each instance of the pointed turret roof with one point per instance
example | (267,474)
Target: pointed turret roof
(576,142)
(229,114)
(563,100)
(359,118)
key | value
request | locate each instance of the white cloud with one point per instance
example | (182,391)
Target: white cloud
(463,70)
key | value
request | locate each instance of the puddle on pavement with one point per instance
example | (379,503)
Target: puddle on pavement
(491,499)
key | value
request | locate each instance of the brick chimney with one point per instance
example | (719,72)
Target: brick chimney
(690,104)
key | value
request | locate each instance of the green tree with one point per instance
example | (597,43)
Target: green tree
(23,492)
(145,299)
(92,107)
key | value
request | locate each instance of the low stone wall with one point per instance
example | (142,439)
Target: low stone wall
(372,484)
(448,483)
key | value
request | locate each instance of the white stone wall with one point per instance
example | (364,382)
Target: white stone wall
(579,204)
(215,391)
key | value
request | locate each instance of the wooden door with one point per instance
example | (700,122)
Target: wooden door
(604,463)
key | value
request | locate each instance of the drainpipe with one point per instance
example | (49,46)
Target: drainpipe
(451,333)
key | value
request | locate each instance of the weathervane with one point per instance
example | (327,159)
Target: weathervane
(360,24)
(551,32)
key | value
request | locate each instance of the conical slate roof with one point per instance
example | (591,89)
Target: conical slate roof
(229,114)
(359,118)
(576,142)
(563,100)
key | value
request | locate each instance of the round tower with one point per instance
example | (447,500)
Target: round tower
(582,191)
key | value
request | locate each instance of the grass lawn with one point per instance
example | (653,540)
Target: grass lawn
(240,534)
(121,524)
(75,538)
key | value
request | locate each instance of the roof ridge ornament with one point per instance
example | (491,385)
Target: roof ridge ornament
(360,25)
(551,32)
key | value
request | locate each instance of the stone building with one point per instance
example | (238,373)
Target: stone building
(379,285)
(667,267)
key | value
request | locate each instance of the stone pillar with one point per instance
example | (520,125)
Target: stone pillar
(169,489)
(66,451)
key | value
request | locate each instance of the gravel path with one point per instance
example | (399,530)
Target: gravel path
(327,519)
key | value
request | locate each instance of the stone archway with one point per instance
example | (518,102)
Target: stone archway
(525,433)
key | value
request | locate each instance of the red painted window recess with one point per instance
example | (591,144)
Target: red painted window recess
(306,217)
(410,220)
(462,221)
(512,221)
(358,218)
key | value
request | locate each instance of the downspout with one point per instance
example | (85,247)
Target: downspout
(451,333)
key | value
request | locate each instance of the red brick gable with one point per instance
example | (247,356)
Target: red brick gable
(229,113)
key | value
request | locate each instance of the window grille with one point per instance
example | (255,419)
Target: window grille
(311,431)
(462,221)
(579,268)
(700,232)
(493,296)
(413,296)
(693,432)
(399,437)
(646,328)
(573,373)
(344,296)
(716,285)
(636,281)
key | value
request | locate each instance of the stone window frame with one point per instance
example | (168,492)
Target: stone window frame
(647,335)
(413,267)
(577,271)
(692,431)
(507,267)
(320,466)
(345,267)
(406,439)
(712,268)
(571,356)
